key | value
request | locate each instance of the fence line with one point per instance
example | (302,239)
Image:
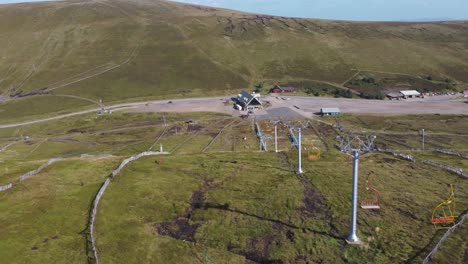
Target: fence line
(451,152)
(93,217)
(36,171)
(30,174)
(430,162)
(444,237)
(446,167)
(6,187)
(101,191)
(399,155)
(85,155)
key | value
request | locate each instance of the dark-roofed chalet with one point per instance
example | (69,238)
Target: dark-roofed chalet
(245,100)
(279,89)
(395,96)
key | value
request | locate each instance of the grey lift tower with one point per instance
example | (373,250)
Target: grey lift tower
(353,145)
(297,143)
(276,133)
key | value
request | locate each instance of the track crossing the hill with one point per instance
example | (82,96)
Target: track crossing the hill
(305,106)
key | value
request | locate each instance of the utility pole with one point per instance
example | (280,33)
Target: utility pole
(352,238)
(297,142)
(276,137)
(299,151)
(422,135)
(275,123)
(102,105)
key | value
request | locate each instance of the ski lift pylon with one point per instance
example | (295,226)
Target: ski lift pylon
(443,215)
(373,204)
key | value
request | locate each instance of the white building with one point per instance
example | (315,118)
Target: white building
(410,94)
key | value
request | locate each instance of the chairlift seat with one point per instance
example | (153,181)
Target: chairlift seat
(440,220)
(444,214)
(370,205)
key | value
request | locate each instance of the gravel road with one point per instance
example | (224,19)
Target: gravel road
(302,106)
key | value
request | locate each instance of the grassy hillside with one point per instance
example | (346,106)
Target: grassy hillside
(261,212)
(228,203)
(118,50)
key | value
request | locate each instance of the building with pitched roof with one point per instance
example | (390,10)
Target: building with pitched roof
(247,100)
(279,89)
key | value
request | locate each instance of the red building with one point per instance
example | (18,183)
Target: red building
(279,89)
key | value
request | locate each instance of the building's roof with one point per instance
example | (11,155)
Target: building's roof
(330,110)
(287,88)
(246,98)
(410,92)
(395,94)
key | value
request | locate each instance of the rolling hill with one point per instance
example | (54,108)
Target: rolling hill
(211,196)
(121,50)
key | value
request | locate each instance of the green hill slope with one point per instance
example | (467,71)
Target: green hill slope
(216,198)
(117,50)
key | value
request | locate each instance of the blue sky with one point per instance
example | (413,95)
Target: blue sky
(373,10)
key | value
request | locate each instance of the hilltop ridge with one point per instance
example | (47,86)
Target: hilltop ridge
(120,50)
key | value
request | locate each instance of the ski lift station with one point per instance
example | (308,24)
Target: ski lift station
(332,111)
(248,101)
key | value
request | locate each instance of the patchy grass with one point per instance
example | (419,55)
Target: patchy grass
(374,85)
(452,124)
(39,107)
(231,204)
(452,160)
(221,198)
(403,132)
(118,134)
(454,249)
(43,217)
(241,205)
(11,170)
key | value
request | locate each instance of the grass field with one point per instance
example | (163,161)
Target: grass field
(43,218)
(229,204)
(253,206)
(403,133)
(38,107)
